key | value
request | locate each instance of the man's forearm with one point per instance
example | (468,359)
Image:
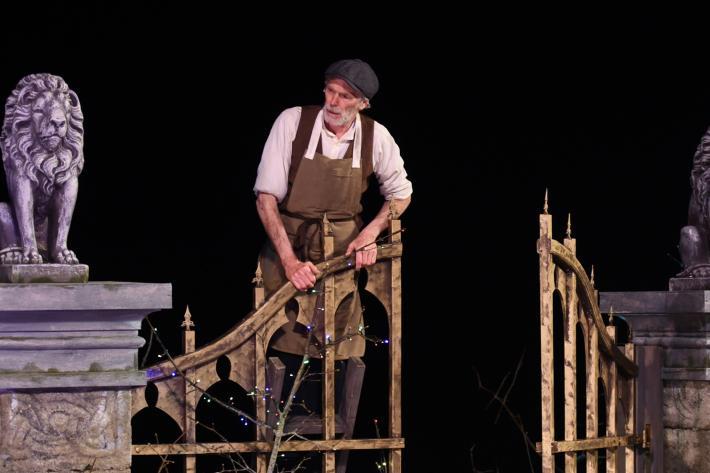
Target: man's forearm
(267,208)
(381,220)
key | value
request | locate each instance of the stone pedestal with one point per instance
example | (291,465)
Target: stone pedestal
(39,273)
(689,284)
(670,333)
(68,358)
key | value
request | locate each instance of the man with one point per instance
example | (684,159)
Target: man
(316,161)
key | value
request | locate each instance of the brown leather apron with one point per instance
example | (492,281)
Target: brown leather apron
(319,185)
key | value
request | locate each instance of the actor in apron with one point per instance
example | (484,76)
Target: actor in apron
(316,163)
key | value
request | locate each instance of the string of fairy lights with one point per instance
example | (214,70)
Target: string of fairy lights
(244,418)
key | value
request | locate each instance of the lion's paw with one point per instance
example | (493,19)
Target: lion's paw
(31,256)
(11,256)
(701,272)
(65,257)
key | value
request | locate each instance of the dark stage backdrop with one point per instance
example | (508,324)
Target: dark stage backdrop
(488,110)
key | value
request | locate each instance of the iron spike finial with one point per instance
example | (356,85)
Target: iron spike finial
(187,322)
(591,277)
(545,207)
(258,279)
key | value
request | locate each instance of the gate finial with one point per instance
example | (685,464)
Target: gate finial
(545,208)
(187,322)
(591,276)
(569,226)
(258,277)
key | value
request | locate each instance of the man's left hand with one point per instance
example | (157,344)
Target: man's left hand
(368,254)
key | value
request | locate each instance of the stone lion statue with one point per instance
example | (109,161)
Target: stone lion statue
(42,143)
(694,238)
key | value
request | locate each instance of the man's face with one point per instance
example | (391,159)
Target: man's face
(49,121)
(341,103)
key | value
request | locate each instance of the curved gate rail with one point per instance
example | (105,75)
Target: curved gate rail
(181,381)
(561,274)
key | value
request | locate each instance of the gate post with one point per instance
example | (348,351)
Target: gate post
(547,287)
(68,358)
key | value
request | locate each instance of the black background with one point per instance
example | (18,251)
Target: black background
(488,109)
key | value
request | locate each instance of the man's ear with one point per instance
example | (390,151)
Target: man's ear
(364,104)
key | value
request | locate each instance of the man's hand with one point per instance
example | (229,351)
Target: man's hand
(301,274)
(366,239)
(367,255)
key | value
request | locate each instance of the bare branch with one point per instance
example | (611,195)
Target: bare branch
(239,464)
(281,423)
(503,402)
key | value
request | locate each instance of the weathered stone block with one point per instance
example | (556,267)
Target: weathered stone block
(65,431)
(74,335)
(689,284)
(39,273)
(686,451)
(686,405)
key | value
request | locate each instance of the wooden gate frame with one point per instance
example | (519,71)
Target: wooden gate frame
(181,381)
(562,273)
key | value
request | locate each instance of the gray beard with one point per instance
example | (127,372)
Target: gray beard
(343,120)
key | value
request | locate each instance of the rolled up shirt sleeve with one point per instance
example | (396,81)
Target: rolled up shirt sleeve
(388,166)
(272,174)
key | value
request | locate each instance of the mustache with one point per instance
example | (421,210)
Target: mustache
(333,109)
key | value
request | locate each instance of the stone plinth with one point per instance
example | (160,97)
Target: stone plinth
(670,331)
(68,358)
(689,284)
(43,273)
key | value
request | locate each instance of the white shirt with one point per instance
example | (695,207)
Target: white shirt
(388,166)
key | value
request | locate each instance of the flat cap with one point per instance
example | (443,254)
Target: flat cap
(357,73)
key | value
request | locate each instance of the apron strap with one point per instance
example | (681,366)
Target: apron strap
(368,136)
(309,113)
(303,136)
